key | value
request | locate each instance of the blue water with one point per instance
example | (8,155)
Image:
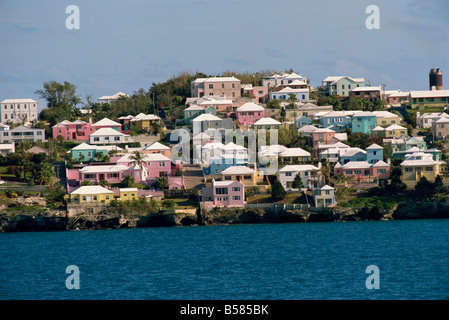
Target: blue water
(263,261)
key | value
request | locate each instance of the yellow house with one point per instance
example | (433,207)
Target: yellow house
(386,118)
(91,194)
(129,194)
(418,165)
(146,122)
(243,174)
(393,131)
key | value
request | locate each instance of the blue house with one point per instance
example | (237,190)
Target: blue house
(218,163)
(374,153)
(363,122)
(302,121)
(353,154)
(335,120)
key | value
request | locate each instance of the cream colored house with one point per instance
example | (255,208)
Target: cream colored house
(418,165)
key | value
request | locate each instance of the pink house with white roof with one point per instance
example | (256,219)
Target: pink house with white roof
(223,194)
(249,113)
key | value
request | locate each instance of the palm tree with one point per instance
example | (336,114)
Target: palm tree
(138,159)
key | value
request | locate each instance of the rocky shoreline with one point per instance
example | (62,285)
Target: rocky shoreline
(58,221)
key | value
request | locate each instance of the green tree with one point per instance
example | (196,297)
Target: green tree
(297,182)
(61,101)
(138,159)
(161,183)
(438,185)
(128,181)
(56,193)
(277,191)
(424,187)
(43,173)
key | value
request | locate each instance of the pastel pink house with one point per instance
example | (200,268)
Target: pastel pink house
(76,130)
(364,171)
(223,194)
(249,113)
(156,165)
(110,173)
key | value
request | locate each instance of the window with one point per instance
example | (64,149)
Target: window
(95,198)
(357,171)
(408,169)
(235,188)
(381,170)
(221,190)
(235,197)
(222,85)
(84,198)
(116,138)
(211,86)
(328,192)
(96,139)
(428,168)
(161,164)
(348,171)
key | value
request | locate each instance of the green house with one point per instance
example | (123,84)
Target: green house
(194,111)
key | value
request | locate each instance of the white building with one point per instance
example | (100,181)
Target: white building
(108,136)
(309,175)
(284,94)
(115,97)
(18,110)
(22,133)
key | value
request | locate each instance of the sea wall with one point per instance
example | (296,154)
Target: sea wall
(19,222)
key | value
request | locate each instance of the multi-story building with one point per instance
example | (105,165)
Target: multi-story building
(115,97)
(22,133)
(223,194)
(76,130)
(217,86)
(324,196)
(363,122)
(418,165)
(249,113)
(342,85)
(309,174)
(18,110)
(368,93)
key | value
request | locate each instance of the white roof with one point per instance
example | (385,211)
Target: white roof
(356,165)
(147,157)
(113,97)
(19,101)
(381,163)
(266,121)
(250,106)
(395,127)
(107,132)
(206,116)
(223,183)
(128,189)
(292,90)
(145,117)
(366,89)
(378,128)
(104,168)
(384,114)
(334,79)
(156,146)
(349,152)
(429,94)
(91,190)
(327,187)
(307,128)
(374,146)
(106,122)
(298,167)
(237,170)
(216,101)
(295,152)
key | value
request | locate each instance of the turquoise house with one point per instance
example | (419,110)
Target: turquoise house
(194,111)
(363,122)
(86,153)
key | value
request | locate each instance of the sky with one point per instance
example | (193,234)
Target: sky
(122,46)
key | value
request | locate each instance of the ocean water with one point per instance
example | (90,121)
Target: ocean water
(261,261)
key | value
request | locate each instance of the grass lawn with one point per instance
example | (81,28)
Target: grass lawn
(185,203)
(291,198)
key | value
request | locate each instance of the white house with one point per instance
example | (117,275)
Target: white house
(284,94)
(309,174)
(18,110)
(107,136)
